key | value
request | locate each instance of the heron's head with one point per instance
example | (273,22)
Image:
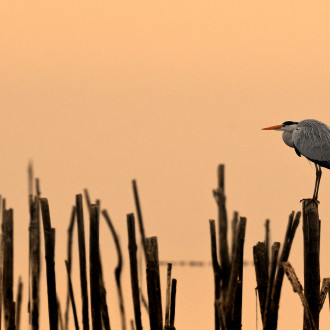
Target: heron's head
(287,126)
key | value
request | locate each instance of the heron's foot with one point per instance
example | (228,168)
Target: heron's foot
(310,200)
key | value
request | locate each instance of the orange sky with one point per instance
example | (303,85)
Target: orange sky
(99,93)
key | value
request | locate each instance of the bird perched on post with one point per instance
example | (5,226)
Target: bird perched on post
(309,138)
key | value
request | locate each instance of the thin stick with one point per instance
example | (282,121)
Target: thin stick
(82,261)
(1,274)
(59,311)
(173,295)
(134,270)
(297,287)
(267,243)
(216,272)
(219,195)
(168,295)
(73,304)
(94,267)
(69,263)
(19,303)
(234,233)
(118,268)
(324,291)
(103,298)
(153,284)
(49,234)
(139,216)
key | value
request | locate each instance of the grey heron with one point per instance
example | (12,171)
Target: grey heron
(309,138)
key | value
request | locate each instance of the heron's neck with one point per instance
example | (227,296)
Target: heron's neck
(287,138)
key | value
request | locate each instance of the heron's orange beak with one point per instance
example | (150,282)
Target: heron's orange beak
(273,127)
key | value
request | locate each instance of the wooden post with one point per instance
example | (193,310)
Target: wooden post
(8,269)
(82,261)
(103,298)
(49,234)
(237,266)
(260,264)
(34,237)
(219,195)
(118,268)
(272,271)
(153,284)
(94,267)
(311,231)
(172,312)
(134,270)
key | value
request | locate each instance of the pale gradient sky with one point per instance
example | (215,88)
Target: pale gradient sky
(98,93)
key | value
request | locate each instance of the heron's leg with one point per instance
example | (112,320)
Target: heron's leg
(317,181)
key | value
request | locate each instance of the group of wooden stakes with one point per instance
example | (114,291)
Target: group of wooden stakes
(270,266)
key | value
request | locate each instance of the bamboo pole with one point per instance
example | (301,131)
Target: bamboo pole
(216,272)
(68,264)
(49,234)
(82,261)
(237,264)
(94,265)
(118,268)
(311,233)
(234,223)
(134,270)
(324,291)
(267,243)
(153,284)
(219,195)
(71,296)
(19,303)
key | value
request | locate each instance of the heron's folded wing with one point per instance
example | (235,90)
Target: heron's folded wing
(314,143)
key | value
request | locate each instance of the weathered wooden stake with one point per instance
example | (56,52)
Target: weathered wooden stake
(134,270)
(153,284)
(216,272)
(168,295)
(236,268)
(311,231)
(49,234)
(219,195)
(82,261)
(94,267)
(260,264)
(19,303)
(34,237)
